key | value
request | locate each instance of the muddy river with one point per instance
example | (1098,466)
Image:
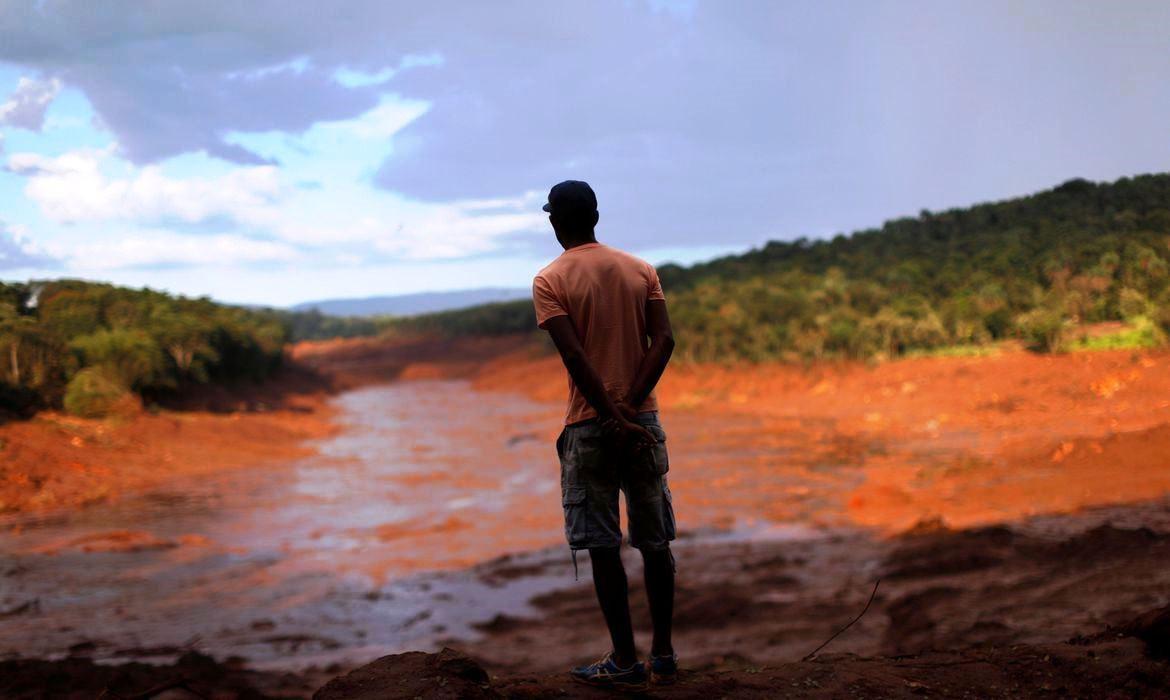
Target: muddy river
(377,543)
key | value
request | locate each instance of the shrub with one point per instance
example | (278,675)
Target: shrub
(1043,329)
(130,356)
(1141,332)
(1162,317)
(1132,303)
(95,392)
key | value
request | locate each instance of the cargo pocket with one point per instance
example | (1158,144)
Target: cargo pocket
(658,451)
(667,512)
(576,517)
(561,444)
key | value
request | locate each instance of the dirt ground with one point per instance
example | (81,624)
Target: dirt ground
(1061,607)
(1045,580)
(55,460)
(965,441)
(1014,507)
(972,440)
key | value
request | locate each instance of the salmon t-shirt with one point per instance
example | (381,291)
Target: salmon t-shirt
(604,292)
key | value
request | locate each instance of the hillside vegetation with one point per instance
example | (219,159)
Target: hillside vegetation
(1033,268)
(94,348)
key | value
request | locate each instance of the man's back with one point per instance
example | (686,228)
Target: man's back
(604,292)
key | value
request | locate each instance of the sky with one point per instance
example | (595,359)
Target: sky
(274,152)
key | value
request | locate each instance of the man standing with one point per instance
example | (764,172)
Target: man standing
(607,317)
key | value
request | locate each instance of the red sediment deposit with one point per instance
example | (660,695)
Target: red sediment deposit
(969,441)
(973,486)
(55,460)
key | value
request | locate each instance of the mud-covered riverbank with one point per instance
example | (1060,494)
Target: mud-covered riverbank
(1069,606)
(55,462)
(320,530)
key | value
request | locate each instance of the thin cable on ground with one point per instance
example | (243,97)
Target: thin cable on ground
(836,634)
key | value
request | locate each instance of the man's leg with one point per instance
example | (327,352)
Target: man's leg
(590,485)
(658,570)
(609,580)
(651,516)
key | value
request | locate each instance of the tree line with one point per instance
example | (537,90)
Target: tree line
(91,347)
(1035,268)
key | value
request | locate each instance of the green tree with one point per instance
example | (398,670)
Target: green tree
(131,357)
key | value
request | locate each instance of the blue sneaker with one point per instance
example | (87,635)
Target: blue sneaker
(663,669)
(606,674)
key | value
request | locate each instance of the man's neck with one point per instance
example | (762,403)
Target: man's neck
(576,243)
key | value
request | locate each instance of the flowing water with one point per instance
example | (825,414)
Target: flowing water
(374,545)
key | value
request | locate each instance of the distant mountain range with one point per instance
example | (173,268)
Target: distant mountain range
(410,304)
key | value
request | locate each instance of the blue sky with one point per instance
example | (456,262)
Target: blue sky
(277,152)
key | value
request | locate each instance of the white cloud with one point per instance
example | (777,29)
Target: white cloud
(26,106)
(73,188)
(103,212)
(356,78)
(296,66)
(452,232)
(164,248)
(128,210)
(18,251)
(383,121)
(383,227)
(353,78)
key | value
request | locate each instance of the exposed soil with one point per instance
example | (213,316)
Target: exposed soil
(1107,667)
(55,460)
(1061,607)
(192,675)
(970,440)
(1013,506)
(354,362)
(1041,581)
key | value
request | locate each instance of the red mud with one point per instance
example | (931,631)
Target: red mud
(1013,580)
(1067,607)
(55,460)
(968,441)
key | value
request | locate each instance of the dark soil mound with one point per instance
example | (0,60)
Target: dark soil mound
(913,619)
(1106,541)
(447,674)
(1106,668)
(1153,628)
(945,552)
(192,675)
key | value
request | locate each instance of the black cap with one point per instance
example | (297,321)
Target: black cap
(571,196)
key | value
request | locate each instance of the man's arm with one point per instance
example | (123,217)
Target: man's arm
(564,336)
(656,357)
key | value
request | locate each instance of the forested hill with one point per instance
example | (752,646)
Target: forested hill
(1035,268)
(943,248)
(95,348)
